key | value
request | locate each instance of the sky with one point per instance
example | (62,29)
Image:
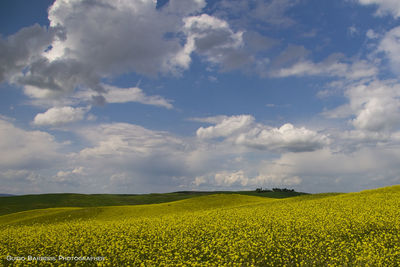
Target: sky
(140,96)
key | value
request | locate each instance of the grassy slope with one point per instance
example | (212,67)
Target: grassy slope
(14,204)
(201,203)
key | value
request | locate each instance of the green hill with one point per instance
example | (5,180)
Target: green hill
(107,213)
(13,204)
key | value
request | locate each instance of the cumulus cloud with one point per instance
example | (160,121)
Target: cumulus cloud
(88,41)
(385,7)
(24,47)
(243,131)
(103,48)
(372,106)
(285,138)
(213,38)
(101,45)
(379,114)
(60,115)
(227,127)
(59,77)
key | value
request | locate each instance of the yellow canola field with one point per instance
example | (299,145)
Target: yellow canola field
(355,229)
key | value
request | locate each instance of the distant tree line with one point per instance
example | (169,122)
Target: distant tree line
(261,190)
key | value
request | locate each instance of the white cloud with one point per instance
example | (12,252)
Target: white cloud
(373,106)
(89,41)
(39,93)
(329,67)
(379,114)
(213,38)
(243,131)
(60,115)
(390,45)
(24,47)
(100,45)
(285,138)
(384,6)
(115,94)
(134,94)
(226,127)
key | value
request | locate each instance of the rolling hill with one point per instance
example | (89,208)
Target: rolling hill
(11,204)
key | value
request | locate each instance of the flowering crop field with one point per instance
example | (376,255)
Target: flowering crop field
(354,229)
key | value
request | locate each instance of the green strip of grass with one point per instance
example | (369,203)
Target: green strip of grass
(14,204)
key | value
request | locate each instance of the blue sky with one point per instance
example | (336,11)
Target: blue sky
(145,96)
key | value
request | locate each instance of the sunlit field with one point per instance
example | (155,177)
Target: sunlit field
(361,229)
